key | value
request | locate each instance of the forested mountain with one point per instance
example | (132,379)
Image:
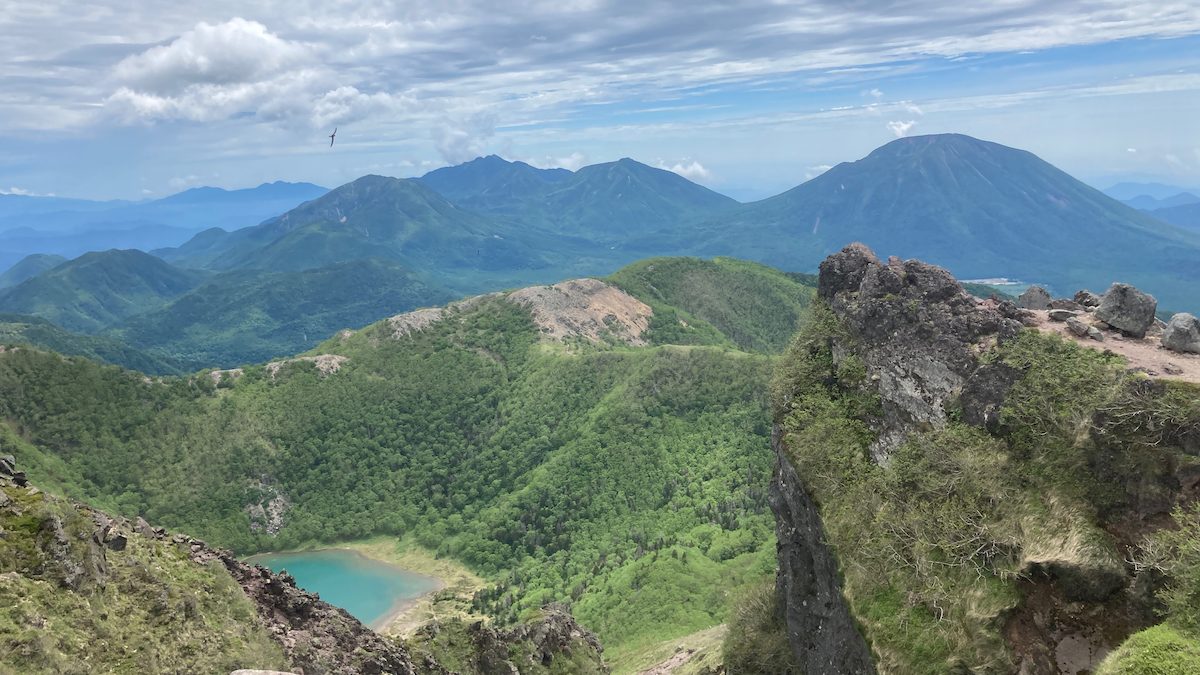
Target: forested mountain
(978,208)
(18,329)
(394,219)
(70,227)
(99,289)
(1185,216)
(607,203)
(29,267)
(556,439)
(494,185)
(250,316)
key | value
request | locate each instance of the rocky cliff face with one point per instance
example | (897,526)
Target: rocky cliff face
(820,628)
(919,334)
(967,492)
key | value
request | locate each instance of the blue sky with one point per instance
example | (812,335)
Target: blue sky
(748,97)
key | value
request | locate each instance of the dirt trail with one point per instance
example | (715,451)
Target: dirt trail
(1147,353)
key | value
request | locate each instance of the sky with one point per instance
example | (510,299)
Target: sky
(748,97)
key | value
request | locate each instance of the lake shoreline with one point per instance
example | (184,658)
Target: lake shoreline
(399,611)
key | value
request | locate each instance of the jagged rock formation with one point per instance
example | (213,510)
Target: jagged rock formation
(941,463)
(917,331)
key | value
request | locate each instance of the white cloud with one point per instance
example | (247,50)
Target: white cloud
(688,168)
(461,140)
(874,93)
(912,108)
(1131,150)
(17,191)
(814,171)
(571,162)
(234,52)
(180,182)
(900,129)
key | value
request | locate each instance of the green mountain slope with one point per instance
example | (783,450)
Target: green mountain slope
(97,290)
(390,218)
(627,481)
(251,316)
(1184,215)
(29,267)
(605,203)
(493,185)
(755,307)
(978,208)
(82,597)
(18,329)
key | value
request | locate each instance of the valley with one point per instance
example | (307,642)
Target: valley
(448,376)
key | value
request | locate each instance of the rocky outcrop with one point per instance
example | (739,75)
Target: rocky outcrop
(1034,297)
(326,364)
(552,642)
(586,308)
(1182,334)
(820,628)
(1127,309)
(316,636)
(1087,299)
(917,331)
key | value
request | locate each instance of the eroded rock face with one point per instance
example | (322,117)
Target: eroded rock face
(586,308)
(1127,309)
(1182,334)
(316,636)
(917,331)
(821,630)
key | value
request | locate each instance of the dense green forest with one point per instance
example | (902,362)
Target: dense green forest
(628,482)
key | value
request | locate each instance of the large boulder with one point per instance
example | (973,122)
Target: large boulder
(1087,298)
(1127,309)
(1034,297)
(1182,333)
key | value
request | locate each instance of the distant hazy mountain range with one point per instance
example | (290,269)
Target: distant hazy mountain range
(70,227)
(229,295)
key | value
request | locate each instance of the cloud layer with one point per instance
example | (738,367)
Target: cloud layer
(456,79)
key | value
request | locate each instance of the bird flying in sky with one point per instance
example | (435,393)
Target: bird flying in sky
(331,136)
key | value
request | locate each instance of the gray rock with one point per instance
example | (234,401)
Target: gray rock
(1172,369)
(1062,314)
(1087,299)
(1066,304)
(1127,309)
(820,628)
(117,542)
(984,394)
(1182,334)
(1034,297)
(1095,334)
(1078,327)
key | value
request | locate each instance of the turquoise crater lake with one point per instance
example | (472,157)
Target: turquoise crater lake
(371,590)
